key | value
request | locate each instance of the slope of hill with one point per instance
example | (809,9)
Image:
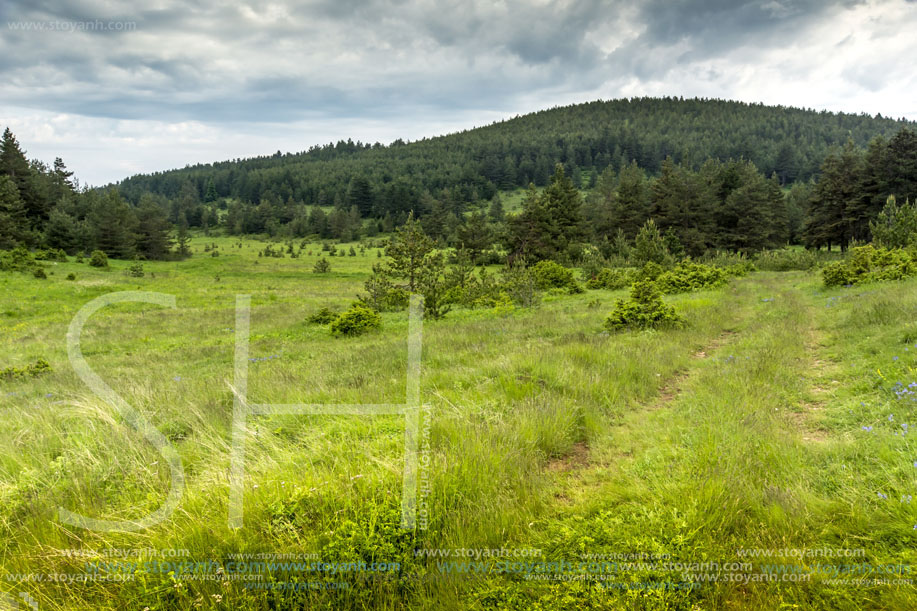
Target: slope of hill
(586,137)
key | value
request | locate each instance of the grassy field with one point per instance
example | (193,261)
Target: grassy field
(758,458)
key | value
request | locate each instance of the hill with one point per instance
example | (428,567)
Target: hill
(586,138)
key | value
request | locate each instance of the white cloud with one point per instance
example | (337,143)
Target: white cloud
(201,81)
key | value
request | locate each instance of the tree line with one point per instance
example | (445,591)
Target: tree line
(43,206)
(731,204)
(474,164)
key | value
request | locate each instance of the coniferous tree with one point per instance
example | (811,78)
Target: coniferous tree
(13,223)
(153,227)
(113,223)
(475,236)
(407,250)
(182,238)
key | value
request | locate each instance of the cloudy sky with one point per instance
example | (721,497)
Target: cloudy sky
(118,87)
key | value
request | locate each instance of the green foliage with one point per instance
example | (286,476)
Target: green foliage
(787,259)
(690,276)
(650,271)
(17,260)
(39,272)
(550,225)
(32,370)
(71,276)
(98,259)
(356,320)
(321,266)
(135,270)
(50,254)
(550,274)
(895,226)
(870,264)
(645,309)
(323,317)
(519,283)
(407,251)
(611,279)
(650,246)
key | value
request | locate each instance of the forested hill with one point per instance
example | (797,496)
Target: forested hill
(586,138)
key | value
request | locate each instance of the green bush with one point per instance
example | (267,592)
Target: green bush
(98,259)
(356,321)
(611,279)
(322,266)
(323,317)
(691,276)
(51,255)
(135,270)
(17,260)
(71,276)
(870,264)
(32,370)
(39,273)
(518,281)
(552,275)
(650,271)
(645,309)
(787,259)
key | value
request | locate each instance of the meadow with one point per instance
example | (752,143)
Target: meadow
(758,457)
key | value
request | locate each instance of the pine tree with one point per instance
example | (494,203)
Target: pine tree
(407,250)
(153,240)
(182,239)
(13,225)
(60,231)
(475,236)
(13,163)
(631,206)
(833,214)
(360,194)
(113,223)
(210,195)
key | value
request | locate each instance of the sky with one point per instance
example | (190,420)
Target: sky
(117,88)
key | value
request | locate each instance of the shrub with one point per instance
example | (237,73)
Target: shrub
(39,272)
(322,266)
(323,317)
(381,293)
(519,283)
(135,270)
(870,264)
(98,259)
(787,259)
(895,226)
(549,274)
(357,320)
(691,276)
(17,260)
(645,309)
(650,271)
(71,276)
(51,255)
(32,370)
(611,279)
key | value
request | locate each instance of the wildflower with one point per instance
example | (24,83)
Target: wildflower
(881,496)
(891,417)
(867,428)
(176,379)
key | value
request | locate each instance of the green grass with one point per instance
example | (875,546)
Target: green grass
(742,430)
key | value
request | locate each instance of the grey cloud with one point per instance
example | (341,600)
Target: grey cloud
(257,61)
